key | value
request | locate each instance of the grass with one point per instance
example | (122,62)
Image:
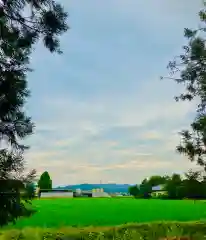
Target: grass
(81,212)
(155,231)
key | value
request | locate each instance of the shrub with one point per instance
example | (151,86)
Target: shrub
(163,197)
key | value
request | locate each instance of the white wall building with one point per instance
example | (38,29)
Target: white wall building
(99,193)
(56,194)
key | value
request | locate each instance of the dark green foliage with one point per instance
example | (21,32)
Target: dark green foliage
(190,70)
(29,191)
(14,124)
(45,181)
(22,24)
(12,184)
(172,186)
(12,201)
(134,190)
(191,187)
(145,189)
(157,180)
(142,191)
(203,188)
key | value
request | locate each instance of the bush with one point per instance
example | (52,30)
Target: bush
(163,197)
(13,198)
(29,192)
(154,231)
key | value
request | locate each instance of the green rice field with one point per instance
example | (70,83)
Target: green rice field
(81,212)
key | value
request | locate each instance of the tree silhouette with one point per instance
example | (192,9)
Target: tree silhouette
(22,24)
(45,181)
(189,69)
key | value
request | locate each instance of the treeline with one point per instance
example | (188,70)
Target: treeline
(191,186)
(44,185)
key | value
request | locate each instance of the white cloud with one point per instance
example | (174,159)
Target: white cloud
(126,127)
(128,171)
(153,101)
(70,151)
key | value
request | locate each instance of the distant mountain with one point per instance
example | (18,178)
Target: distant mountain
(109,188)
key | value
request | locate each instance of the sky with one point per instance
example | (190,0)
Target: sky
(100,109)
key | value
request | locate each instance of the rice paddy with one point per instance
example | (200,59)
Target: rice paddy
(81,212)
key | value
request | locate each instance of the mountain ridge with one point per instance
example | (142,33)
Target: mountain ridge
(109,187)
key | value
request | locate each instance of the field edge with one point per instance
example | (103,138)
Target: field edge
(198,225)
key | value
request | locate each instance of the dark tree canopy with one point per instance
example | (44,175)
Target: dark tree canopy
(157,180)
(45,181)
(12,182)
(145,189)
(12,167)
(22,24)
(189,69)
(26,21)
(30,191)
(192,186)
(134,190)
(172,186)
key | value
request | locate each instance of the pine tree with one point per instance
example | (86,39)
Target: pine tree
(22,24)
(45,181)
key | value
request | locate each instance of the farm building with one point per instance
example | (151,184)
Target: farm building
(158,191)
(99,192)
(57,194)
(80,193)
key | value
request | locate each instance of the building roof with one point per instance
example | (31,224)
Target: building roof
(158,188)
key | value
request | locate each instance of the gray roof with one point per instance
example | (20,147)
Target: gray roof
(158,188)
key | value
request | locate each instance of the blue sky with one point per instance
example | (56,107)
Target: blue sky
(100,110)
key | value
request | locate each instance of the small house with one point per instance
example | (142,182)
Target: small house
(158,190)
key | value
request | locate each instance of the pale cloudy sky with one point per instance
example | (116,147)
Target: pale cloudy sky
(100,110)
